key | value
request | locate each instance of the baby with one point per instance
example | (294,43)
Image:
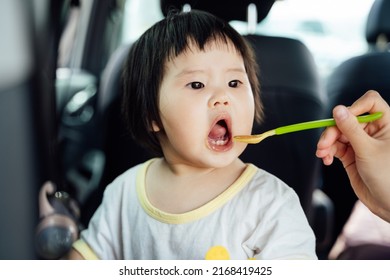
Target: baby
(190,84)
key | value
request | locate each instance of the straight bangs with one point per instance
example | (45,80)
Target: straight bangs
(188,30)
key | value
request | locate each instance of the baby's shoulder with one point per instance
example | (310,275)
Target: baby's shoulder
(266,183)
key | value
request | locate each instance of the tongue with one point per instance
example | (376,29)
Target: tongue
(217,132)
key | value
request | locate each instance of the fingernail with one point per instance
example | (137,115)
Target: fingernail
(341,113)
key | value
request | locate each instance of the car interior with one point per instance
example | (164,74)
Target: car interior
(61,114)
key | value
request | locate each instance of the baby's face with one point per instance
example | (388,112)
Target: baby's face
(205,99)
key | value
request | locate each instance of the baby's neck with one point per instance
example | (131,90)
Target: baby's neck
(178,188)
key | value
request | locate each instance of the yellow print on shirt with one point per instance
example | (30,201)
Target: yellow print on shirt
(218,253)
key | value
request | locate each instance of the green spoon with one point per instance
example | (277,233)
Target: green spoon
(254,139)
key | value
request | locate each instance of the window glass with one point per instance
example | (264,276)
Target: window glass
(139,16)
(333,30)
(68,35)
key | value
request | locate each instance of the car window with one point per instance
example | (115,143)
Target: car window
(139,16)
(333,30)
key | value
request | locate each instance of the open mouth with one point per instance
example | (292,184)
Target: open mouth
(219,137)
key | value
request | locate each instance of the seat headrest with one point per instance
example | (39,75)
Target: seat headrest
(237,9)
(378,21)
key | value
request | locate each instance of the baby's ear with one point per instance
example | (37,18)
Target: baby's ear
(155,127)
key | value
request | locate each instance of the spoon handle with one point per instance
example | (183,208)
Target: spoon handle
(322,123)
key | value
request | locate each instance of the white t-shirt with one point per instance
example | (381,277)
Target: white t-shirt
(258,216)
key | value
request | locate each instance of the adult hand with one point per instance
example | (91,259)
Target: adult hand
(364,150)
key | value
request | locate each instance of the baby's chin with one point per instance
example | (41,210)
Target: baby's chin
(218,159)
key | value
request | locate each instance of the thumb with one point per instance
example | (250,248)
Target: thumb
(349,126)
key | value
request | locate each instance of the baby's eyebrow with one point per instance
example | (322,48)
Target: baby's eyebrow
(189,72)
(237,69)
(198,71)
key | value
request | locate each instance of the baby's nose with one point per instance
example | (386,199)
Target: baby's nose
(220,98)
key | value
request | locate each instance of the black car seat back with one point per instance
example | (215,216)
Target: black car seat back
(120,151)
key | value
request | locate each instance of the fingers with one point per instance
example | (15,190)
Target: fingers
(330,145)
(347,123)
(327,152)
(348,130)
(328,138)
(370,102)
(349,126)
(324,146)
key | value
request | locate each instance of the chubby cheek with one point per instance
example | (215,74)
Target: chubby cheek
(180,115)
(183,127)
(243,124)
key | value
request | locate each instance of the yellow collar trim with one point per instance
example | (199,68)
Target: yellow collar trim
(84,250)
(195,214)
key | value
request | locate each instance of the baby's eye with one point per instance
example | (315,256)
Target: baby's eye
(234,83)
(196,85)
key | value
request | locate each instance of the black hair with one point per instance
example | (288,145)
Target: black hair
(165,40)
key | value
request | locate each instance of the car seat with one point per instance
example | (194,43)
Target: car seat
(290,92)
(348,82)
(120,150)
